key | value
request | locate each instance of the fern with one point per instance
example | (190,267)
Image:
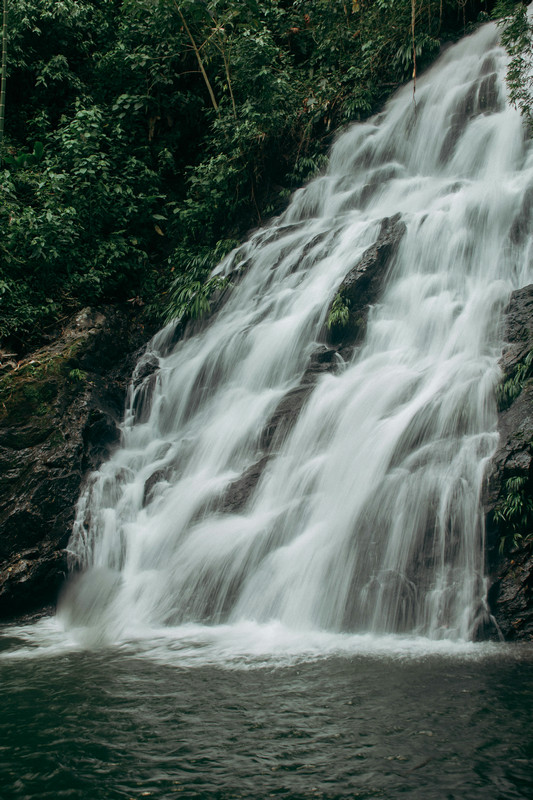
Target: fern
(514,512)
(193,300)
(339,313)
(511,388)
(77,375)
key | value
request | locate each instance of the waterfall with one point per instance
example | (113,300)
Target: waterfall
(365,516)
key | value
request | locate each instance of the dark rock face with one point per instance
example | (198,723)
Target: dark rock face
(59,415)
(511,567)
(511,596)
(362,285)
(324,359)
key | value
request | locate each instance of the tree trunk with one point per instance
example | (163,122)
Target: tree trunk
(198,57)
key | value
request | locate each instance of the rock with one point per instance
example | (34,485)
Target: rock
(362,285)
(511,595)
(59,414)
(156,478)
(238,492)
(145,369)
(511,570)
(518,329)
(284,417)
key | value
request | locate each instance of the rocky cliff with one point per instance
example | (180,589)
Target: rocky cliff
(509,497)
(59,414)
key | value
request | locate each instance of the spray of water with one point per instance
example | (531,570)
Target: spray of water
(366,517)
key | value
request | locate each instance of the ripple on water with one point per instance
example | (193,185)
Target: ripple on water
(160,718)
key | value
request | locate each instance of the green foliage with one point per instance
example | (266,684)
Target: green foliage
(511,388)
(307,167)
(339,313)
(30,390)
(77,376)
(191,290)
(517,38)
(143,135)
(514,512)
(191,299)
(72,221)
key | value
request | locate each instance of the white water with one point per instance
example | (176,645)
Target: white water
(367,517)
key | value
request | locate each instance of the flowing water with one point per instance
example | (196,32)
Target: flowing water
(367,515)
(318,641)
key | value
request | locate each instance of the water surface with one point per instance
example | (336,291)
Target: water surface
(164,718)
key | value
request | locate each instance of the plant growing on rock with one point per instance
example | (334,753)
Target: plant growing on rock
(510,389)
(339,314)
(514,512)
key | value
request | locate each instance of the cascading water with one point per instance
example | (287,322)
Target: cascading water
(366,517)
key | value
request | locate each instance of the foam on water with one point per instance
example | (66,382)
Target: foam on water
(244,645)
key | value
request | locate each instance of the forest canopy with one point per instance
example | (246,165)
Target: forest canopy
(143,138)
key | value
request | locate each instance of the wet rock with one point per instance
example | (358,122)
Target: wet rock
(521,227)
(510,551)
(59,414)
(145,369)
(518,329)
(511,595)
(284,417)
(238,492)
(156,478)
(362,285)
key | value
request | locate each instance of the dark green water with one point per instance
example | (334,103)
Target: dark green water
(120,723)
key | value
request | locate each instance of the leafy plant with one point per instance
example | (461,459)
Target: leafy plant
(77,375)
(514,512)
(191,291)
(339,313)
(25,159)
(511,388)
(517,39)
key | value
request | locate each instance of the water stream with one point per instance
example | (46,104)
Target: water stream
(367,517)
(318,641)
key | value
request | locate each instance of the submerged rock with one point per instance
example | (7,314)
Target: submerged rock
(59,413)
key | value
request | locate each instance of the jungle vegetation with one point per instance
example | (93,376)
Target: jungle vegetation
(142,139)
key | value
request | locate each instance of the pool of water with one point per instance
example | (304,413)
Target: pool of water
(191,714)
